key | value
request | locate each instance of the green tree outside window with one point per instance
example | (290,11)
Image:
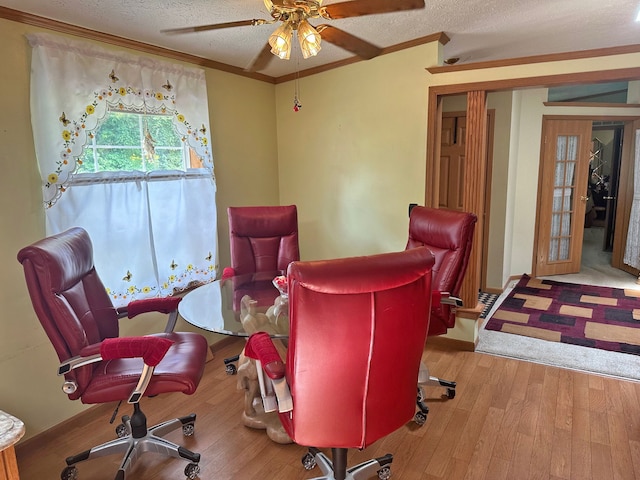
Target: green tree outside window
(119,145)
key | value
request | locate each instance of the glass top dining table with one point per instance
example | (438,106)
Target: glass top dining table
(239,306)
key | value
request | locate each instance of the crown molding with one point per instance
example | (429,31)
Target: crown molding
(552,57)
(67,28)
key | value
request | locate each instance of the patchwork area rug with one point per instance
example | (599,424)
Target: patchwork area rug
(584,315)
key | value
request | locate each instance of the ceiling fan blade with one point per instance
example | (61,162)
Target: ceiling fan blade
(214,26)
(262,60)
(357,8)
(349,42)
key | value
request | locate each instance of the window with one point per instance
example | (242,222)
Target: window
(130,141)
(123,149)
(612,92)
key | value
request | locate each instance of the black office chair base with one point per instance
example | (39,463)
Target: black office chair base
(434,381)
(336,468)
(229,366)
(423,410)
(425,379)
(135,439)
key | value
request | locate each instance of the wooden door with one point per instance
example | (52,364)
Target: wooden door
(452,145)
(562,196)
(611,199)
(452,167)
(625,197)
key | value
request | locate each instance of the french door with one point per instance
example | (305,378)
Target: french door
(562,196)
(630,151)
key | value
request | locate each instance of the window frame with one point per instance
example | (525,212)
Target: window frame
(94,147)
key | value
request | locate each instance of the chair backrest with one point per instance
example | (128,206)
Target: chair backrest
(68,296)
(263,238)
(357,334)
(449,235)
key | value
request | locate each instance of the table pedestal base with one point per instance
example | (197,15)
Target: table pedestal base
(269,422)
(254,415)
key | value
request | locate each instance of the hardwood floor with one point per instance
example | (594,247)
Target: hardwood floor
(510,420)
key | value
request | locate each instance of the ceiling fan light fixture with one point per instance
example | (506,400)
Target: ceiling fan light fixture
(309,39)
(280,41)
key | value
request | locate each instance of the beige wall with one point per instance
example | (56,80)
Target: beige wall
(353,157)
(242,115)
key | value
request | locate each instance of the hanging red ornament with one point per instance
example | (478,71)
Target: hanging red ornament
(296,92)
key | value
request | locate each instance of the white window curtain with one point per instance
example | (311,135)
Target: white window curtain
(632,250)
(153,233)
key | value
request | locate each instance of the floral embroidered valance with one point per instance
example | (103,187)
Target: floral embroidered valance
(74,84)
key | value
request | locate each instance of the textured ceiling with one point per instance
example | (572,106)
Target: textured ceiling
(479,29)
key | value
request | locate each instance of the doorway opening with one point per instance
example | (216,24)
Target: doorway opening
(602,190)
(597,255)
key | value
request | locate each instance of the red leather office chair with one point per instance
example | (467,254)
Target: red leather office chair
(99,366)
(357,334)
(449,235)
(263,240)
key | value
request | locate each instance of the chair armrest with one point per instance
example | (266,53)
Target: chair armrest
(168,305)
(151,349)
(80,361)
(162,305)
(228,272)
(260,347)
(444,298)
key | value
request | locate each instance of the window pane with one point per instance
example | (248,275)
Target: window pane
(559,177)
(114,159)
(129,141)
(119,128)
(161,129)
(562,207)
(167,160)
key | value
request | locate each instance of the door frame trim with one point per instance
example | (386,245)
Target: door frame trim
(623,204)
(434,113)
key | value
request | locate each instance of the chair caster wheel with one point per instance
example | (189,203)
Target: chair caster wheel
(420,418)
(192,470)
(308,461)
(451,393)
(121,430)
(384,473)
(231,369)
(188,429)
(69,473)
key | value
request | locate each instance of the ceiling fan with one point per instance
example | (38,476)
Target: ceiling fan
(294,15)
